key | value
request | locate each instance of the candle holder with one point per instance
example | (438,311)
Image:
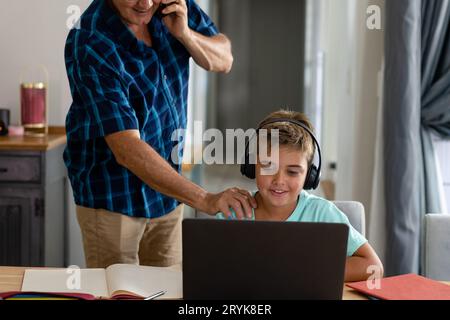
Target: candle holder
(34,106)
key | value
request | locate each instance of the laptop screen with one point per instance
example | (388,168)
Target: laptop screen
(225,259)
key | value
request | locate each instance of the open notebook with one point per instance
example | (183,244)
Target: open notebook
(118,281)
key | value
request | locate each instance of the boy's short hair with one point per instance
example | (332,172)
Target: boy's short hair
(290,134)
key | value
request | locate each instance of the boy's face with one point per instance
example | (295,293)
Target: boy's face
(284,187)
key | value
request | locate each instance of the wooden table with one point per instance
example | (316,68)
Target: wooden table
(11,280)
(56,136)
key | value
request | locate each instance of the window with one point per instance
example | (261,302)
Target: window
(442,149)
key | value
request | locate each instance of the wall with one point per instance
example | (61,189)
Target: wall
(354,56)
(33,33)
(337,34)
(352,108)
(368,101)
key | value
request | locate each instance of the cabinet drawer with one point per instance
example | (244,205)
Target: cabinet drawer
(20,169)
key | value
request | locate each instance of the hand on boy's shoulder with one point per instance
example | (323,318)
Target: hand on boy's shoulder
(221,216)
(234,203)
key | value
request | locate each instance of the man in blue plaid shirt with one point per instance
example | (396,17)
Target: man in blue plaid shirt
(128,69)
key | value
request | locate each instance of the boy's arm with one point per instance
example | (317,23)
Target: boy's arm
(363,264)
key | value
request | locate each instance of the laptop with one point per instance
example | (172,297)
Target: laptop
(259,260)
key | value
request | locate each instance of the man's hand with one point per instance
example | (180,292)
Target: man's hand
(241,201)
(211,53)
(176,18)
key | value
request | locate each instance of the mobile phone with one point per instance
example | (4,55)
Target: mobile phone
(162,6)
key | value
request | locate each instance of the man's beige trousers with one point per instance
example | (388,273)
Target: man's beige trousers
(110,238)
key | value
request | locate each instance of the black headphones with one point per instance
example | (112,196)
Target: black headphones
(312,177)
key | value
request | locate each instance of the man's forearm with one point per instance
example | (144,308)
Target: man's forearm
(151,168)
(211,53)
(141,159)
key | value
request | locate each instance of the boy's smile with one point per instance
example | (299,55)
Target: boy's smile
(278,193)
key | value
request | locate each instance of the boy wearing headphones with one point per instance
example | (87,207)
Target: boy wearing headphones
(282,197)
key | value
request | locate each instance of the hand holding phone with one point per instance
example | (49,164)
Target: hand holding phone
(175,17)
(162,6)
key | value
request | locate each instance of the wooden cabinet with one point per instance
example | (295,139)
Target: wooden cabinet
(32,201)
(14,229)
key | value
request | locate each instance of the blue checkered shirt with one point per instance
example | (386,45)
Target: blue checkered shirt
(118,83)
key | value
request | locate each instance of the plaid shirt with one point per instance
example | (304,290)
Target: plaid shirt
(118,83)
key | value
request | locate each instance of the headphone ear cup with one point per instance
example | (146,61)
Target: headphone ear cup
(251,171)
(307,185)
(312,178)
(243,169)
(248,170)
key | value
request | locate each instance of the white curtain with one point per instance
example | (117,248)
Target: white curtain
(442,156)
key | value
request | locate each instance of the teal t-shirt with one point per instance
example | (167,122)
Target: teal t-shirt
(311,208)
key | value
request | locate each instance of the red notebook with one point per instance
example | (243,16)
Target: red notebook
(405,287)
(19,295)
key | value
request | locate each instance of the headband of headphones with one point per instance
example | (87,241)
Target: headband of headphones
(312,177)
(300,124)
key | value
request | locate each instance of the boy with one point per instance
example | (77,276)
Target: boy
(280,197)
